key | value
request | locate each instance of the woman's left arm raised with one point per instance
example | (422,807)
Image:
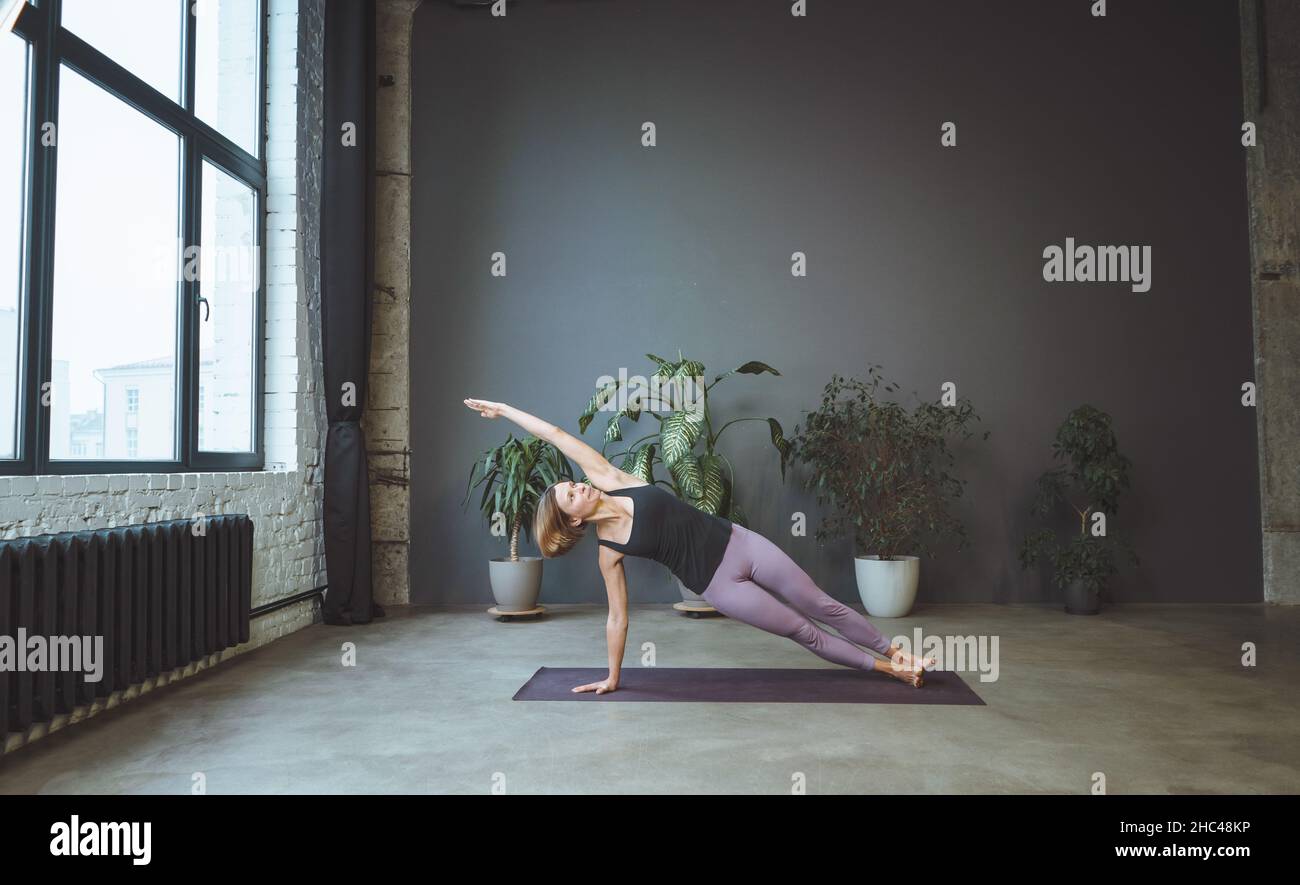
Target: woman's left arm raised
(603,475)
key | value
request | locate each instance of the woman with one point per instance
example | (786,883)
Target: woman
(737,571)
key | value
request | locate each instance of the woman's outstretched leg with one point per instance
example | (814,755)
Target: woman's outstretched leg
(775,571)
(747,602)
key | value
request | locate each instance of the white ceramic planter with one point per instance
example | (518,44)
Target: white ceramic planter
(516,585)
(887,588)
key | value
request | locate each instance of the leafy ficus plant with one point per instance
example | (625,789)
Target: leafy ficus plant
(884,470)
(683,439)
(514,475)
(1088,484)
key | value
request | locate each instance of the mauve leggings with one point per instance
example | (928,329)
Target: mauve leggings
(753,568)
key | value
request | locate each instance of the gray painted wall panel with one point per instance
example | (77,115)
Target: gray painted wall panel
(822,135)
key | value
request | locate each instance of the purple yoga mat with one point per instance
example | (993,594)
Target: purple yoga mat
(813,685)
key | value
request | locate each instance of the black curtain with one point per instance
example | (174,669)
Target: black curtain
(347,275)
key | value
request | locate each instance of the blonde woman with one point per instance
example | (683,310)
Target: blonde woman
(737,571)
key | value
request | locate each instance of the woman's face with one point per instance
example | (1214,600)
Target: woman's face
(578,500)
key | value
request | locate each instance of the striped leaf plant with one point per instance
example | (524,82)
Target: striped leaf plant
(682,439)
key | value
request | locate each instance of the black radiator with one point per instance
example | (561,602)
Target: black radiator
(161,595)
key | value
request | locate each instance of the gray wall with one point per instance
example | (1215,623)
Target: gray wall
(822,135)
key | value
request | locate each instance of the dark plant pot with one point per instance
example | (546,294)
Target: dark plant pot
(1082,598)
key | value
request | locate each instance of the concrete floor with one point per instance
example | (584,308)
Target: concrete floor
(1154,697)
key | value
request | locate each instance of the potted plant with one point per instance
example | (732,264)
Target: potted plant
(514,475)
(683,439)
(1095,474)
(886,473)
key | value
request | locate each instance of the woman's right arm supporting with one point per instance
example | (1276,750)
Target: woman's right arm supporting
(611,568)
(603,475)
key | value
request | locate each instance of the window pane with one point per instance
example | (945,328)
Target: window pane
(13,133)
(225,69)
(228,268)
(115,280)
(143,36)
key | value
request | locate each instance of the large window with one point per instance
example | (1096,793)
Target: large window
(132,191)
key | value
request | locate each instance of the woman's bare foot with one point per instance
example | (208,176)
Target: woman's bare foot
(913,676)
(897,655)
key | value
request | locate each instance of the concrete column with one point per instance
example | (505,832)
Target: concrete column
(387,418)
(1270,55)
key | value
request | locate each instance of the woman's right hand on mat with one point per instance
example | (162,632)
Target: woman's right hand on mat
(599,687)
(485,408)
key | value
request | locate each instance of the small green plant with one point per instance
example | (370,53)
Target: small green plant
(1095,473)
(514,475)
(683,440)
(885,471)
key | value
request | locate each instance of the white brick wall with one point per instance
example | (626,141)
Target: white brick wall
(284,500)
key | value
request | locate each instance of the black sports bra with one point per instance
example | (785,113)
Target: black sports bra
(684,538)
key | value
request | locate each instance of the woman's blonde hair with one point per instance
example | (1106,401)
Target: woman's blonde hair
(554,534)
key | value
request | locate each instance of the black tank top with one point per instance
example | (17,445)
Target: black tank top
(670,531)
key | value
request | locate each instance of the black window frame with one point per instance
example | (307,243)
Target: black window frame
(50,47)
